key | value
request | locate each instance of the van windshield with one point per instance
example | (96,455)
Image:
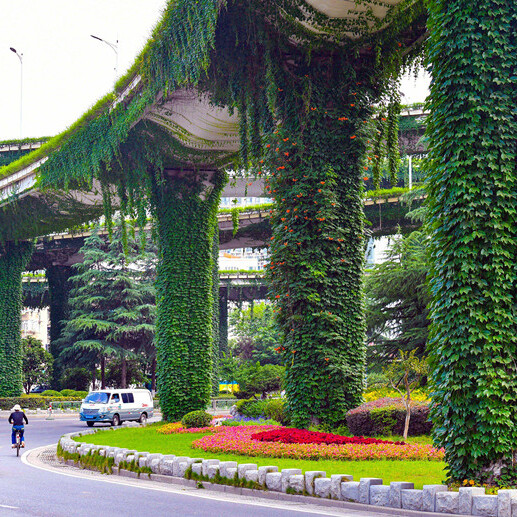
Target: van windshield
(97,398)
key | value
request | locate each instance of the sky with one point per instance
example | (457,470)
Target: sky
(65,71)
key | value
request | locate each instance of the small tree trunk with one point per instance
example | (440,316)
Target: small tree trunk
(124,373)
(103,373)
(94,377)
(407,403)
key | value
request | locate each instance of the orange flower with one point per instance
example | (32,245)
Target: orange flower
(352,105)
(280,168)
(285,139)
(352,137)
(277,149)
(268,145)
(287,154)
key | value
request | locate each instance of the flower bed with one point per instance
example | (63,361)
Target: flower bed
(238,440)
(288,435)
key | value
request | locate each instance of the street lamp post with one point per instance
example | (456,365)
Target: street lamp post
(20,57)
(114,47)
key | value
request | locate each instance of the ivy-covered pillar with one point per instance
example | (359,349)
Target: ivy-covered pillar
(13,259)
(318,247)
(59,288)
(223,320)
(472,184)
(186,213)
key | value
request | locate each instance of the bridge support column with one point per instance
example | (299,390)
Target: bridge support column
(13,259)
(186,212)
(318,246)
(472,132)
(59,287)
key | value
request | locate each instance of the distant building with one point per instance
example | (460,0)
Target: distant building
(35,323)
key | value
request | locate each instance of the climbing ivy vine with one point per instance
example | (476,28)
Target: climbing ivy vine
(472,132)
(13,258)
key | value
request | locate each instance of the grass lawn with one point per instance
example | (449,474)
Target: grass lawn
(147,439)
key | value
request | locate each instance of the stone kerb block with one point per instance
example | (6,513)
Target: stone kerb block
(212,471)
(364,488)
(149,459)
(119,456)
(274,481)
(380,495)
(335,484)
(197,468)
(207,463)
(251,475)
(112,452)
(286,474)
(139,455)
(167,466)
(322,487)
(411,498)
(176,464)
(429,496)
(244,467)
(485,505)
(310,476)
(447,502)
(224,466)
(350,491)
(231,472)
(505,498)
(465,498)
(262,471)
(296,483)
(155,464)
(130,458)
(396,488)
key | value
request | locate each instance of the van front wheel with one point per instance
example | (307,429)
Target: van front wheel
(89,424)
(115,421)
(143,418)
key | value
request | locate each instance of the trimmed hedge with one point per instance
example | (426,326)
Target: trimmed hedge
(32,402)
(198,418)
(386,416)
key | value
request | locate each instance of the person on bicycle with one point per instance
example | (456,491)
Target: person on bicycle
(17,418)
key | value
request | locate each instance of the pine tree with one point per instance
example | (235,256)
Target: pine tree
(397,299)
(112,305)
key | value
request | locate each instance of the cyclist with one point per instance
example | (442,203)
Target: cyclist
(17,418)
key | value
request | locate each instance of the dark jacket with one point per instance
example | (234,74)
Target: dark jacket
(17,418)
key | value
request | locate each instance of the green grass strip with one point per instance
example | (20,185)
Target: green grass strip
(147,439)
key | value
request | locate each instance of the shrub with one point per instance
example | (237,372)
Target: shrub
(51,393)
(30,402)
(80,394)
(254,379)
(386,416)
(68,393)
(253,408)
(198,418)
(275,409)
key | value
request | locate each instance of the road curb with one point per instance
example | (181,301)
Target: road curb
(264,494)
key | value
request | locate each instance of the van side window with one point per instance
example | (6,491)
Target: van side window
(125,398)
(130,397)
(115,398)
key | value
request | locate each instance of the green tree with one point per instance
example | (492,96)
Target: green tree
(404,374)
(254,379)
(36,363)
(112,305)
(396,301)
(257,335)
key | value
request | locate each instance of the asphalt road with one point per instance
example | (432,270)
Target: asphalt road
(35,490)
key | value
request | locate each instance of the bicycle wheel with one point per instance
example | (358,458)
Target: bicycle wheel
(18,443)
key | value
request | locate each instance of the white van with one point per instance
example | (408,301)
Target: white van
(116,406)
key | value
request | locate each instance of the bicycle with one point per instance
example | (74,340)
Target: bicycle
(18,443)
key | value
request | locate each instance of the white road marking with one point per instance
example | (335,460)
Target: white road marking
(227,498)
(10,507)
